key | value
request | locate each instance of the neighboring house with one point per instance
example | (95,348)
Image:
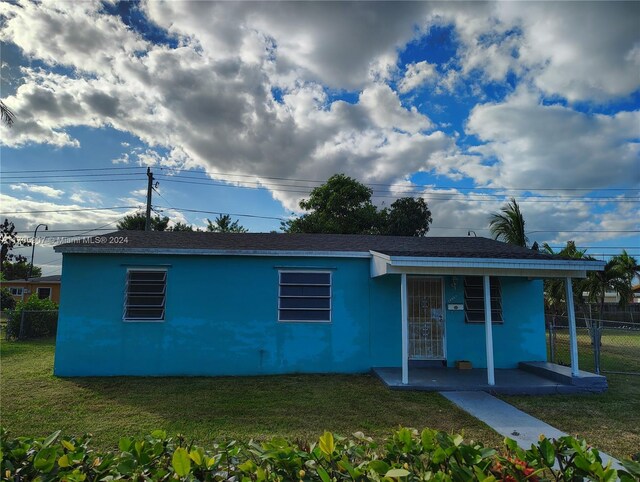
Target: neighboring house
(636,293)
(44,287)
(194,303)
(610,297)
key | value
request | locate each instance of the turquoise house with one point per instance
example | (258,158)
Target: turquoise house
(208,304)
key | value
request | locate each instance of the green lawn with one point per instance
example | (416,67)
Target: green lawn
(34,402)
(620,350)
(610,420)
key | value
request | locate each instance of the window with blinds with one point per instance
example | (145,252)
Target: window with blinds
(474,299)
(145,295)
(304,296)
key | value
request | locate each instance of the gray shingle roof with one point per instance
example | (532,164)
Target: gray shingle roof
(453,247)
(55,278)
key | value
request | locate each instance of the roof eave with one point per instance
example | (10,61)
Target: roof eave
(382,264)
(210,252)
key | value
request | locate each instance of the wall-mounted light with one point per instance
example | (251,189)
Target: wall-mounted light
(454,282)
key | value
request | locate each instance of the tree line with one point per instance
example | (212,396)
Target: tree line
(342,205)
(508,225)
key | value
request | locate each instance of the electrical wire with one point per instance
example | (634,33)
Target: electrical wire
(69,210)
(430,196)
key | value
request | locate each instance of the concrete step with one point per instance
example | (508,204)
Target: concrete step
(562,374)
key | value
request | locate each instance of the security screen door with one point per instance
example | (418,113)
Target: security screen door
(426,322)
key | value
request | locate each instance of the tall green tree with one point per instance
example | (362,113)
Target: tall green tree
(617,276)
(340,206)
(554,288)
(137,221)
(508,225)
(223,224)
(20,270)
(8,240)
(407,217)
(181,227)
(343,206)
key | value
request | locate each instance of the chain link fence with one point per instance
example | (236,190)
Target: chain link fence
(604,346)
(21,324)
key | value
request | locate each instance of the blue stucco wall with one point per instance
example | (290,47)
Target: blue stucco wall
(520,338)
(221,319)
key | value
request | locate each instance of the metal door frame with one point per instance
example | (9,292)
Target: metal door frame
(444,317)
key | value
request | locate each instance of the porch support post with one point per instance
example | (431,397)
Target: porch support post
(573,339)
(405,329)
(488,330)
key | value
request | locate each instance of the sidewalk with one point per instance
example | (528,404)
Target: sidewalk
(508,421)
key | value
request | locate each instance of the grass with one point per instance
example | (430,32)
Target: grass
(620,350)
(611,421)
(36,403)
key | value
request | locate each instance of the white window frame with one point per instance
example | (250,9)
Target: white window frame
(494,320)
(306,271)
(44,288)
(126,293)
(19,290)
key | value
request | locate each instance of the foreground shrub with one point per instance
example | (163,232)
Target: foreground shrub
(40,318)
(7,302)
(406,456)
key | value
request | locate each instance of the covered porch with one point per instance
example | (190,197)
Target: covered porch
(528,379)
(511,376)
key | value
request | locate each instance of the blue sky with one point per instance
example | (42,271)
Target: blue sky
(242,108)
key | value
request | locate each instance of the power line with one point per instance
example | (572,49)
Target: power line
(586,231)
(260,184)
(222,212)
(392,185)
(432,196)
(70,210)
(77,169)
(72,180)
(218,173)
(46,176)
(64,230)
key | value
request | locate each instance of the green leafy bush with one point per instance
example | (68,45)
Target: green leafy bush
(7,302)
(407,456)
(40,318)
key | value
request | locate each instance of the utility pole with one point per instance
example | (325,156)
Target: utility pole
(147,224)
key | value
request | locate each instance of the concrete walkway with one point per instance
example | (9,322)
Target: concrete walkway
(508,421)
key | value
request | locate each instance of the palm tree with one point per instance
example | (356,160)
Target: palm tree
(6,115)
(617,276)
(508,225)
(223,224)
(554,288)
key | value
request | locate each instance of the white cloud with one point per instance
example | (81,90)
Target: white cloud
(37,189)
(385,110)
(87,197)
(122,159)
(417,74)
(579,51)
(59,217)
(542,146)
(320,41)
(209,102)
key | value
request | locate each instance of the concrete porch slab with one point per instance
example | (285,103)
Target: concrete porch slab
(509,382)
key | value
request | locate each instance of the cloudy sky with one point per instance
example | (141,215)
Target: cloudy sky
(243,107)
